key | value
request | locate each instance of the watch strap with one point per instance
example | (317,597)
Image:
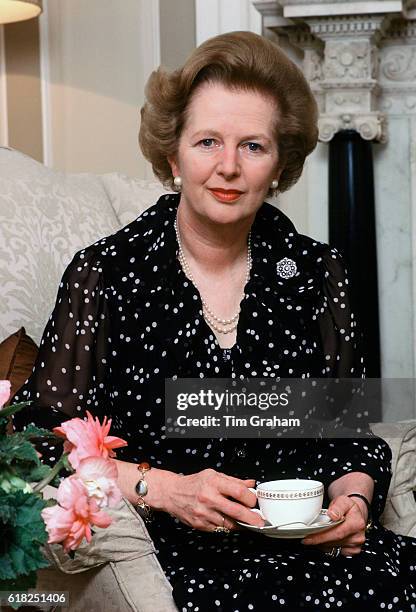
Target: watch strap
(368,505)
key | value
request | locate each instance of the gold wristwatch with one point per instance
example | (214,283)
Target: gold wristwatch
(142,489)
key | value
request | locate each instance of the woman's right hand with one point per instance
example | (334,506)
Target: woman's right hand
(201,500)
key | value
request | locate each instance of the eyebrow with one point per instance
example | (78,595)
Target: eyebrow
(248,137)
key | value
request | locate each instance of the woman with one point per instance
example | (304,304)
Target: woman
(212,282)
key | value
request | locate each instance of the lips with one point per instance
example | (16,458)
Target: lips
(225,195)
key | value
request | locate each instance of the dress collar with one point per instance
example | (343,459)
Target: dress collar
(284,284)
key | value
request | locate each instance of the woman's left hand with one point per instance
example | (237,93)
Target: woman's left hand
(350,534)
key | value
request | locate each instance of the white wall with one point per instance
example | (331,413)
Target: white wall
(218,16)
(177,31)
(98,56)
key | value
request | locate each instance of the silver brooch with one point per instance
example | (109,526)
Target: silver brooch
(286,268)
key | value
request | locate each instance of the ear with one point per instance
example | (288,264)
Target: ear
(173,165)
(279,171)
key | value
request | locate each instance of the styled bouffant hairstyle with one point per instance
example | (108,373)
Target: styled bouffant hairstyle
(241,61)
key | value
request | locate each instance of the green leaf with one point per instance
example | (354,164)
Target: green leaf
(7,571)
(30,472)
(8,410)
(15,447)
(32,431)
(10,482)
(7,509)
(23,536)
(3,426)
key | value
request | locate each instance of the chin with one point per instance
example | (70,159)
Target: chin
(228,214)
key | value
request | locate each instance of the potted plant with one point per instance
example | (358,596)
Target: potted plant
(27,521)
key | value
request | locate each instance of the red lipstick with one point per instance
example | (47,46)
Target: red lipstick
(225,195)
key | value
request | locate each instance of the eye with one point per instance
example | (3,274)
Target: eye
(253,147)
(207,143)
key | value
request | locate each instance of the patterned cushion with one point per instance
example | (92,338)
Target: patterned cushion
(45,217)
(130,197)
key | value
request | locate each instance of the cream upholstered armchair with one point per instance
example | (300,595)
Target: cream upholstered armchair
(45,217)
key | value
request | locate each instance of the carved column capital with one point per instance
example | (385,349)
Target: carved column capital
(353,27)
(370,127)
(301,36)
(341,45)
(350,74)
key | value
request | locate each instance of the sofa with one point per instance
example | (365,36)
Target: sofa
(45,217)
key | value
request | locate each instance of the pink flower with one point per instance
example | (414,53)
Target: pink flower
(4,392)
(59,522)
(70,521)
(99,476)
(88,439)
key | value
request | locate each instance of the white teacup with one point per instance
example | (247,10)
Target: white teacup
(283,502)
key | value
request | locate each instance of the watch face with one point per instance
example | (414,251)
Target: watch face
(141,488)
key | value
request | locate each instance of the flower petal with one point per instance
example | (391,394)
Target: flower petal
(5,389)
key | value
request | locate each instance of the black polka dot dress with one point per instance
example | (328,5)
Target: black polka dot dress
(126,318)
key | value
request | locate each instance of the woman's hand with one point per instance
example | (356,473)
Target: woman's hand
(350,534)
(205,500)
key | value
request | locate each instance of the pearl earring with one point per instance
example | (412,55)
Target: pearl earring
(177,181)
(274,185)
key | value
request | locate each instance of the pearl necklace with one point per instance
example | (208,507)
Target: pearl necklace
(222,326)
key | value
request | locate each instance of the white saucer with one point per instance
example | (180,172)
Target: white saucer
(295,531)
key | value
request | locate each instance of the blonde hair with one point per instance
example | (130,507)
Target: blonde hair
(241,61)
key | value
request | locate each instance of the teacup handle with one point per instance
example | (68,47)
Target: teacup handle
(253,490)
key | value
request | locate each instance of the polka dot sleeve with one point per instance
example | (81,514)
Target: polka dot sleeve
(340,338)
(68,376)
(341,341)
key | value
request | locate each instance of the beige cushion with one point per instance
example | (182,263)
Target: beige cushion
(400,511)
(114,587)
(94,591)
(45,217)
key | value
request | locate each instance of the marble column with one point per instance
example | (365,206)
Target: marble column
(352,231)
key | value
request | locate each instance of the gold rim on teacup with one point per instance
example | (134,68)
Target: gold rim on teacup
(289,494)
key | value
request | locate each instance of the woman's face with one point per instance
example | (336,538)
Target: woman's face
(227,155)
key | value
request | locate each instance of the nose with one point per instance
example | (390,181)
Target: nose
(229,162)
